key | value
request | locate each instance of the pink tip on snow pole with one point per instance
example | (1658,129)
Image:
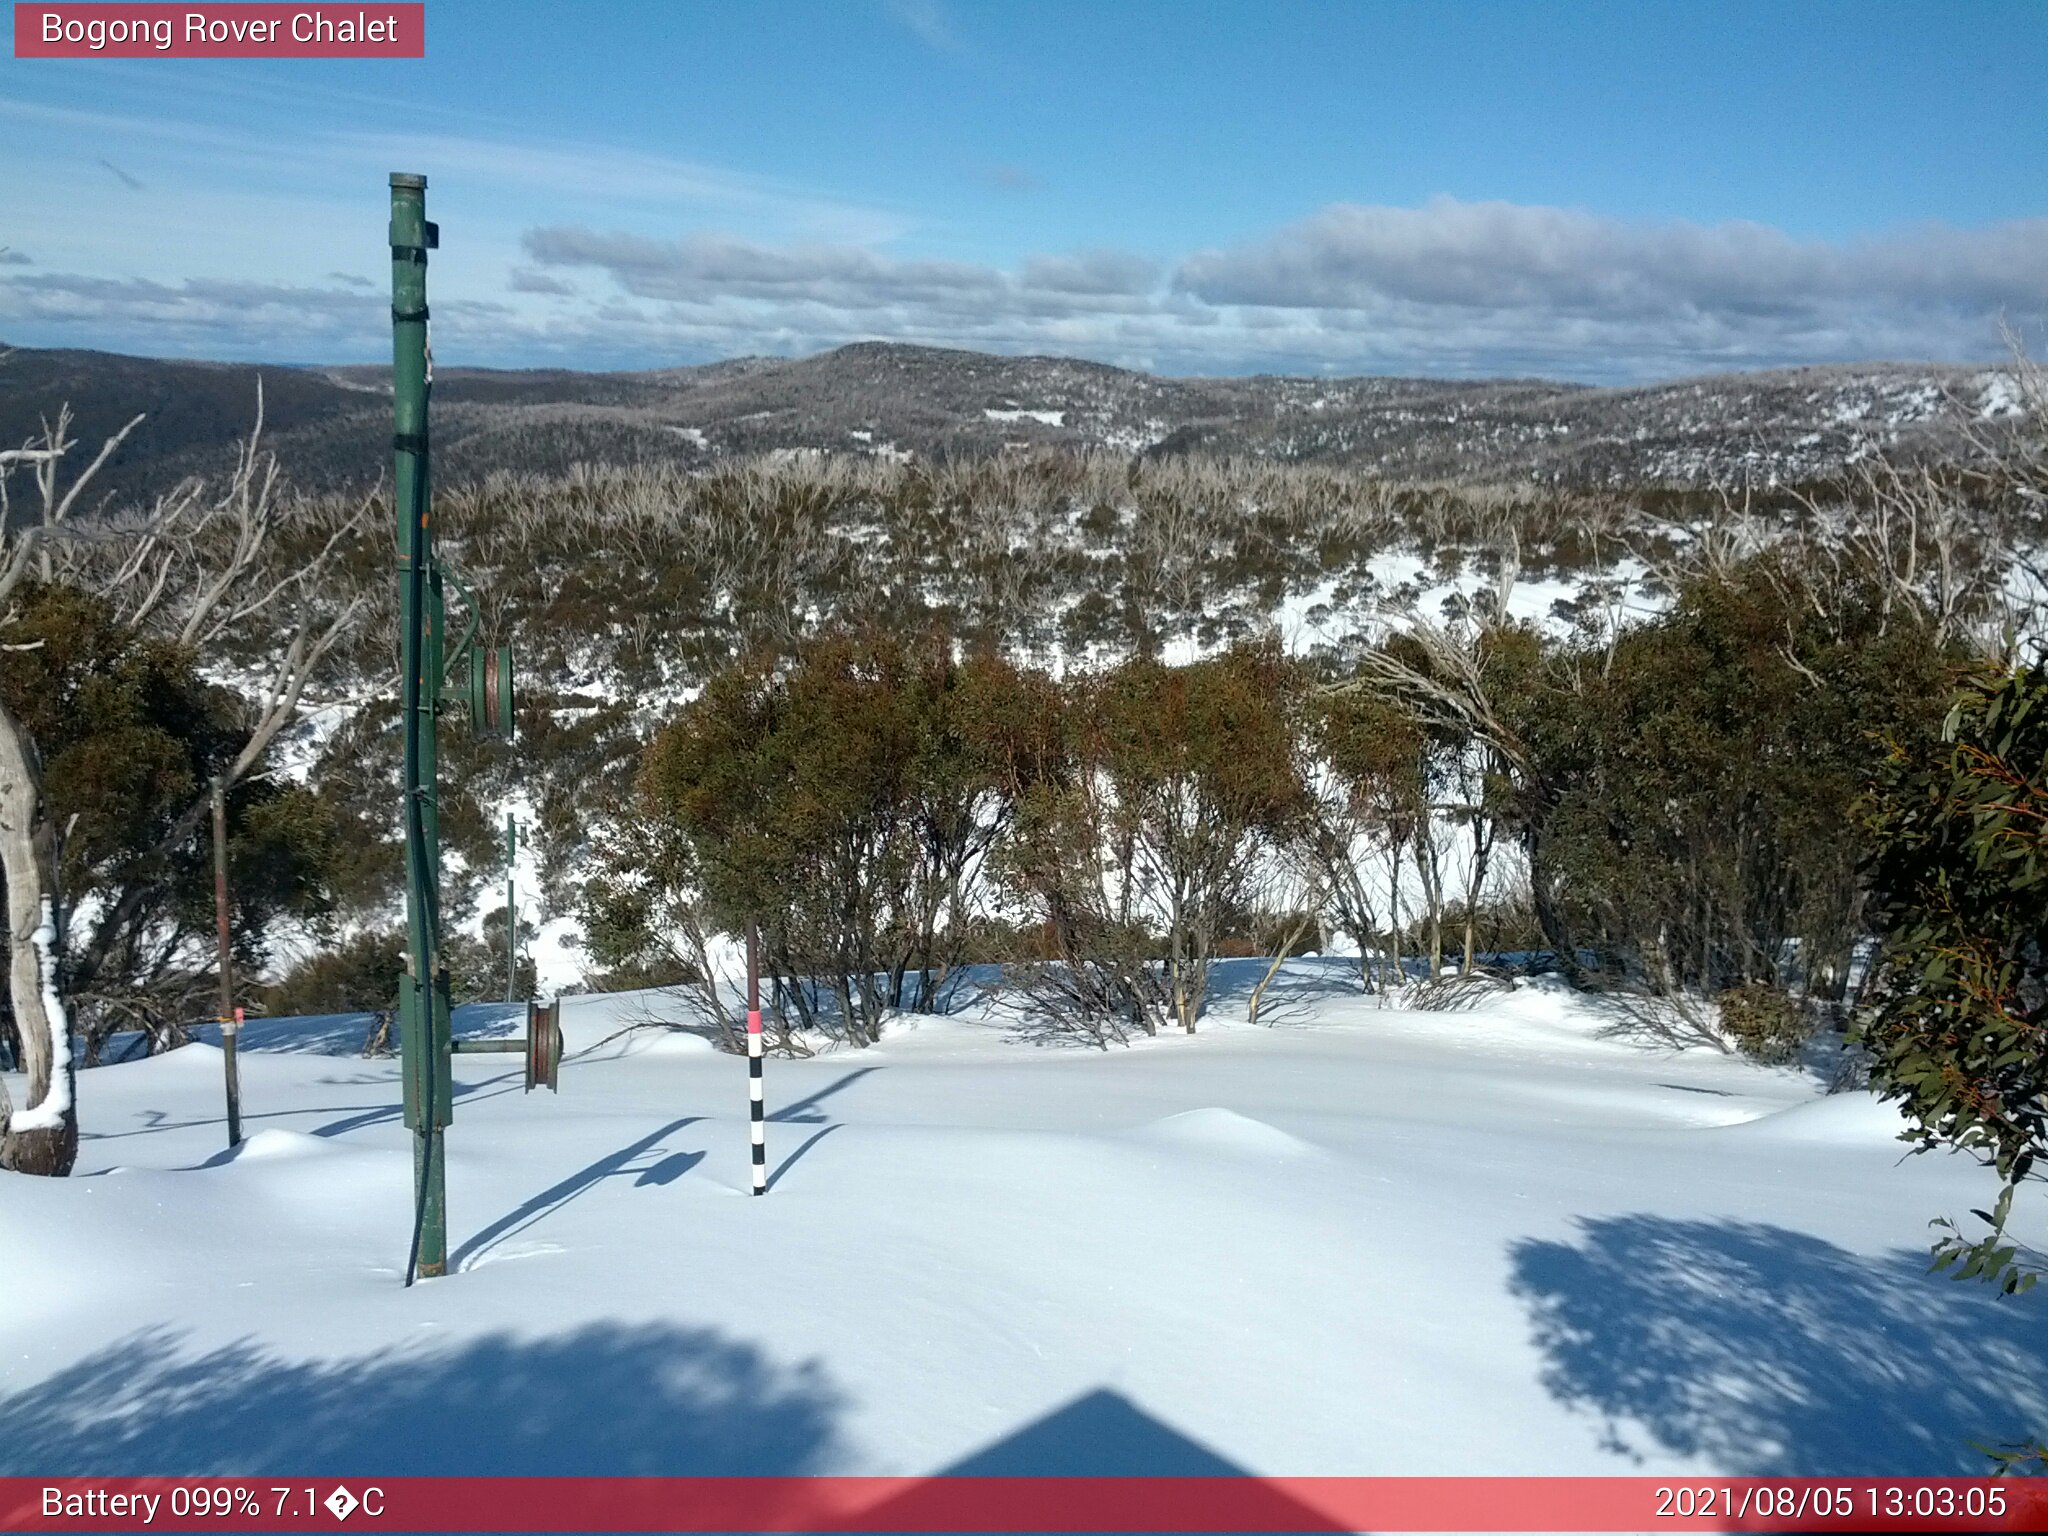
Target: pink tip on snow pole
(756,1108)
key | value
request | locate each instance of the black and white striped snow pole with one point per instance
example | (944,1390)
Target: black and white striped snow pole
(757,1108)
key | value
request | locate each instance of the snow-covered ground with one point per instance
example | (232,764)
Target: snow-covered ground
(1349,1240)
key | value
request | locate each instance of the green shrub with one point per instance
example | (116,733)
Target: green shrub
(359,977)
(1765,1022)
(1961,826)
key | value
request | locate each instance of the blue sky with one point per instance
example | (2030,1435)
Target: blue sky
(1605,192)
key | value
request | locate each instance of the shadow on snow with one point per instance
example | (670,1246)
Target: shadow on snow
(555,1196)
(1104,1434)
(806,1111)
(606,1400)
(1773,1353)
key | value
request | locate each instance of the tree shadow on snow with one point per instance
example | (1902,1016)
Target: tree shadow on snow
(606,1400)
(1294,992)
(321,1034)
(343,1034)
(1294,996)
(1775,1354)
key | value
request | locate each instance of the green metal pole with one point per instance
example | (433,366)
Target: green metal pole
(423,1010)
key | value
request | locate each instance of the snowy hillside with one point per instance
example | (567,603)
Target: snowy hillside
(1350,1240)
(886,401)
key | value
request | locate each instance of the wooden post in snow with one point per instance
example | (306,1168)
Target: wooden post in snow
(511,909)
(230,1015)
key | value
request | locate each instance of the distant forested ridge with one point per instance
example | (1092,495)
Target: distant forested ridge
(329,425)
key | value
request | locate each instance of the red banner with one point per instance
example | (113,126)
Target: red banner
(369,29)
(1048,1504)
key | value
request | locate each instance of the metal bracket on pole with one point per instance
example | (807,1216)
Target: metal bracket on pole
(540,1046)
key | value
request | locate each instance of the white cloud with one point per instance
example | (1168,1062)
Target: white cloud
(851,281)
(1008,178)
(1096,272)
(213,316)
(1448,288)
(526,280)
(1530,273)
(545,174)
(930,22)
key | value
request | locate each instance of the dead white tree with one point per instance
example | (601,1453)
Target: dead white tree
(192,569)
(1950,545)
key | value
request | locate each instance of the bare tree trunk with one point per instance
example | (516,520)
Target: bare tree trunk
(1482,852)
(1394,913)
(1354,910)
(1177,960)
(25,845)
(1194,984)
(1287,943)
(1427,866)
(1550,922)
(1660,956)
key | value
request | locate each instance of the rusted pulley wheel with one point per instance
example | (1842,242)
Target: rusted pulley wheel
(494,725)
(543,1046)
(490,692)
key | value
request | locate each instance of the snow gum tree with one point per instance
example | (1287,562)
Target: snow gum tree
(1695,822)
(191,575)
(1959,1032)
(1201,766)
(846,802)
(129,733)
(986,732)
(1363,765)
(1423,739)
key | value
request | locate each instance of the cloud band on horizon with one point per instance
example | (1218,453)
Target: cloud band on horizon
(1449,287)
